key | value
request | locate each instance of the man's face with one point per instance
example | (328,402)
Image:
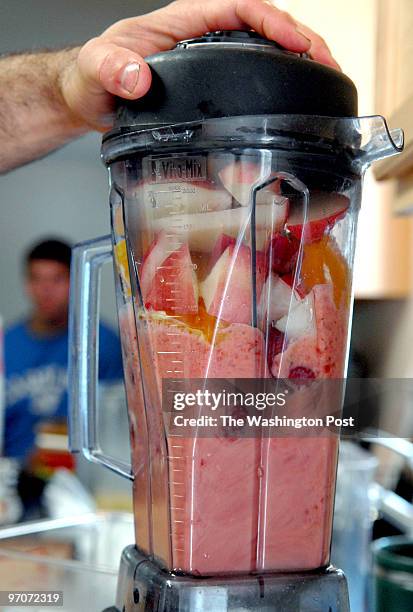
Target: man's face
(47,286)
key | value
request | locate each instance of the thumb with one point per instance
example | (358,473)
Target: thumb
(100,71)
(106,66)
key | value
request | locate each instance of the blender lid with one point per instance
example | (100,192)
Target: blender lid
(233,73)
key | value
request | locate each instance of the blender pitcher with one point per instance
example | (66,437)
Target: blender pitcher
(235,187)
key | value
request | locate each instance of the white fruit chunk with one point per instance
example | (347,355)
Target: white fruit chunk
(201,230)
(214,283)
(161,247)
(300,320)
(239,179)
(227,289)
(277,298)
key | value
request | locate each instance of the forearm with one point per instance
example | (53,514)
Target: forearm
(34,118)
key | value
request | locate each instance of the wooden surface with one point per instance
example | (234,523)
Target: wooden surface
(394,80)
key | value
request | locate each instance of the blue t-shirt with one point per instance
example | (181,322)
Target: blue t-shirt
(36,380)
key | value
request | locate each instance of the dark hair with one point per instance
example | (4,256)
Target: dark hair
(53,250)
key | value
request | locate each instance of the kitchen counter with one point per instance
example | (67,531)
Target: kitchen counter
(79,556)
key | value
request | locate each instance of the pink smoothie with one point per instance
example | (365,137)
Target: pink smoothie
(244,504)
(299,498)
(301,470)
(213,481)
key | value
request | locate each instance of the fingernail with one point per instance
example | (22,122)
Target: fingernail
(303,35)
(130,77)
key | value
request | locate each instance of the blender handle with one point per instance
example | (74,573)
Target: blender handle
(87,261)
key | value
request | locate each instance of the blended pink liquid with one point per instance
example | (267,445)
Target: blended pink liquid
(213,482)
(301,471)
(299,498)
(241,504)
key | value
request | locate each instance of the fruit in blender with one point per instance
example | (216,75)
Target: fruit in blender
(323,263)
(244,504)
(283,252)
(168,279)
(239,179)
(195,197)
(324,211)
(324,351)
(202,230)
(227,291)
(300,320)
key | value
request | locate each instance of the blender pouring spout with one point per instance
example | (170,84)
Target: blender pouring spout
(377,141)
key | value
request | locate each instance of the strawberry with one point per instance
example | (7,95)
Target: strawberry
(301,372)
(283,252)
(323,213)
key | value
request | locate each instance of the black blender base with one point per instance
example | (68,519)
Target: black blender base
(143,586)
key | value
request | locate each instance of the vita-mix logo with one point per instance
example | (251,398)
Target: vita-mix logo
(178,169)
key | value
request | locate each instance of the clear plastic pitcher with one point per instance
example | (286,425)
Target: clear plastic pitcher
(233,241)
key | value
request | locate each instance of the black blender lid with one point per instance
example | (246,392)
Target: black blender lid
(233,73)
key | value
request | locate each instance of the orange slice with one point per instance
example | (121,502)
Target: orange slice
(323,263)
(121,258)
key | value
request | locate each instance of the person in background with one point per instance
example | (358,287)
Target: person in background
(36,350)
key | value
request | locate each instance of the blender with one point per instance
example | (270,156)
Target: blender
(235,185)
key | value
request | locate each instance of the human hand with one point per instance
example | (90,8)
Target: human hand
(113,63)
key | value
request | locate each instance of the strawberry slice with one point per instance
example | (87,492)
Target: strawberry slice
(324,211)
(283,252)
(301,372)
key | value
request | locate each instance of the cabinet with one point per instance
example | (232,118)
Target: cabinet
(394,90)
(362,37)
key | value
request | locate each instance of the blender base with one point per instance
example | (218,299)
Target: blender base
(144,586)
